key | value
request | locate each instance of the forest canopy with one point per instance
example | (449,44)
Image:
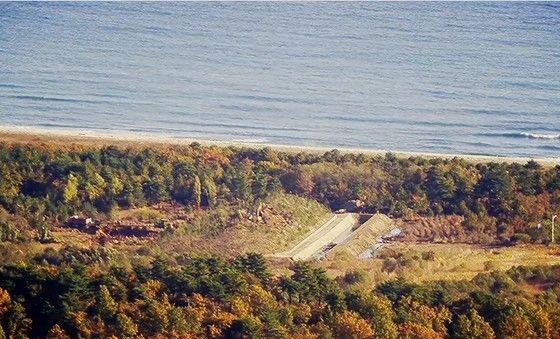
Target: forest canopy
(498,201)
(79,292)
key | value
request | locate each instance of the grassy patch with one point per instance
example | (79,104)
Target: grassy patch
(427,261)
(285,220)
(145,214)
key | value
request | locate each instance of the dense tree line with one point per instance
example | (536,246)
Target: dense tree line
(65,295)
(41,183)
(87,293)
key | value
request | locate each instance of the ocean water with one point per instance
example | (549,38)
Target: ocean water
(466,78)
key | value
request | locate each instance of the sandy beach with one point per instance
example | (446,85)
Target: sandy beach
(31,134)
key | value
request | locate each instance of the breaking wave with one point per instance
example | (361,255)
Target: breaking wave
(531,135)
(539,136)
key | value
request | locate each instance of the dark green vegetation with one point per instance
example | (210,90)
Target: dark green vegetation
(64,291)
(499,202)
(207,296)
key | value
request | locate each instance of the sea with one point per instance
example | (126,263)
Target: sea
(480,78)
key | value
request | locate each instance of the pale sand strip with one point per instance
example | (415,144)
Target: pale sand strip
(31,134)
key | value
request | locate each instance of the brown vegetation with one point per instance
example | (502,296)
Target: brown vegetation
(434,229)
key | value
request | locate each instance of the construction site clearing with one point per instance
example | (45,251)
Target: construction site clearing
(114,230)
(359,235)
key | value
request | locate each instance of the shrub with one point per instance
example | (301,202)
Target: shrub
(353,277)
(490,265)
(428,255)
(390,264)
(520,238)
(8,231)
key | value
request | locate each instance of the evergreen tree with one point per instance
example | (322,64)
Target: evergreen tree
(240,181)
(440,189)
(126,327)
(209,192)
(70,193)
(107,306)
(495,187)
(471,325)
(196,192)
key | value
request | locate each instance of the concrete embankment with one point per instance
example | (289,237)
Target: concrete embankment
(356,234)
(367,235)
(336,227)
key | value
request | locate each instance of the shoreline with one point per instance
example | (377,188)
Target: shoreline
(33,134)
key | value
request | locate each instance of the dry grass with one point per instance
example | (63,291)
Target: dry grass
(145,214)
(287,220)
(434,229)
(446,261)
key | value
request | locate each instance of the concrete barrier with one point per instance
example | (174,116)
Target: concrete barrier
(324,236)
(366,236)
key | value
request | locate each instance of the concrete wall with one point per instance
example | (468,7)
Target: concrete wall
(324,236)
(367,235)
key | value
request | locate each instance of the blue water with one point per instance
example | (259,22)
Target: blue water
(468,78)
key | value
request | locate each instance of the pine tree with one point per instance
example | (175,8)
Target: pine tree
(71,190)
(126,327)
(209,192)
(196,192)
(95,186)
(241,181)
(17,321)
(439,188)
(496,187)
(107,305)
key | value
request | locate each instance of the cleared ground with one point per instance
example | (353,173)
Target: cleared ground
(427,261)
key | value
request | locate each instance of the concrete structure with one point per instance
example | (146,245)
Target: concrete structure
(367,236)
(357,234)
(338,226)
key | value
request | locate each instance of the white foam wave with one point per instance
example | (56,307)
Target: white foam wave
(540,136)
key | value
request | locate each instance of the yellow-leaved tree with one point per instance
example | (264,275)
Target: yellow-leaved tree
(349,324)
(70,192)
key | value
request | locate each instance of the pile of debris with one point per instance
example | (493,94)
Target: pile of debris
(115,230)
(87,225)
(126,231)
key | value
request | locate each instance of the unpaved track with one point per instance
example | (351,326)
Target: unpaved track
(323,236)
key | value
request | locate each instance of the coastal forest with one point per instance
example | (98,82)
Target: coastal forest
(500,202)
(169,286)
